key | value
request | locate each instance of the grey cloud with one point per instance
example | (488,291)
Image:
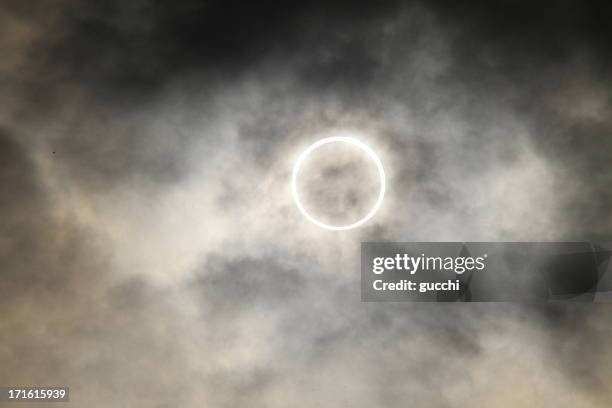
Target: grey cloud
(156,259)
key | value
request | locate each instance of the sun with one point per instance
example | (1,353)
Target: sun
(338,139)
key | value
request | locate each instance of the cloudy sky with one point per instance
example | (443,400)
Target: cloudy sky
(151,252)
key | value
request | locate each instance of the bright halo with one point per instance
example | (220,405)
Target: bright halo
(338,139)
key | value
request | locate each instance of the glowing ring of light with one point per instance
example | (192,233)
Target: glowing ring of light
(354,142)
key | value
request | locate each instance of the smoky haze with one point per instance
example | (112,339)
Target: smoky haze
(152,255)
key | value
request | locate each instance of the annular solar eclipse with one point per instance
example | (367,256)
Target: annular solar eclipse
(371,155)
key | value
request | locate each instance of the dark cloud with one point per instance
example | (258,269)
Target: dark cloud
(152,255)
(310,322)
